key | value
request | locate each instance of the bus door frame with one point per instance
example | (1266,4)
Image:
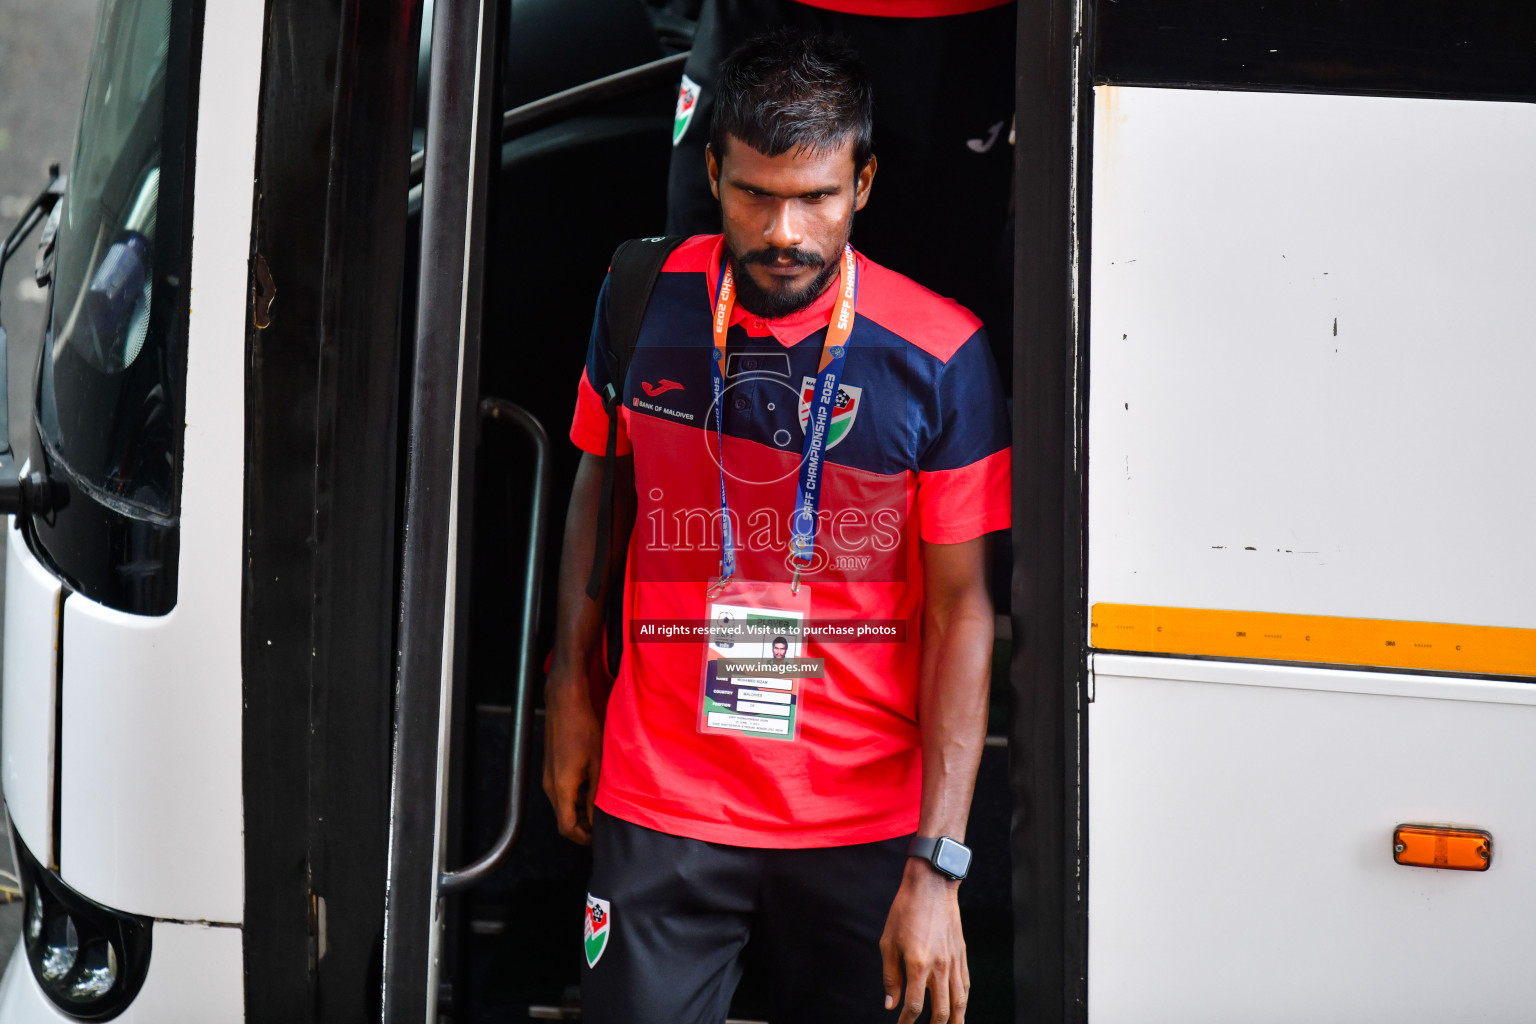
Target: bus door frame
(1047,735)
(1049,676)
(321,402)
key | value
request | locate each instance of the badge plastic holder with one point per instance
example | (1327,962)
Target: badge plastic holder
(747,617)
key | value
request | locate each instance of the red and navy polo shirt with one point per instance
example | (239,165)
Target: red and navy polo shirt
(918,450)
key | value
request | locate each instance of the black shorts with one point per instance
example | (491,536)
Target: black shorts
(944,97)
(680,911)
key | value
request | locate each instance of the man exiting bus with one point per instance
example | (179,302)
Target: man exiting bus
(818,447)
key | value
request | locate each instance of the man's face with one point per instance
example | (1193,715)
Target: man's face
(786,219)
(780,648)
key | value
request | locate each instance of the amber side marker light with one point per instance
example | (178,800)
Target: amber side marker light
(1426,846)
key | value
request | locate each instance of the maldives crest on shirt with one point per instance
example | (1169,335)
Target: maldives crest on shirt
(844,409)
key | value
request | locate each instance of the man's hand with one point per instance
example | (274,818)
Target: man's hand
(573,750)
(923,942)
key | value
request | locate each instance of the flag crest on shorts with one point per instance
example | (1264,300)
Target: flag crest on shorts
(594,936)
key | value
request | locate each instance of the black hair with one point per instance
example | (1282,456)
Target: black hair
(787,90)
(780,640)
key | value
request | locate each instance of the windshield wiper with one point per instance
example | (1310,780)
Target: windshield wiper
(23,495)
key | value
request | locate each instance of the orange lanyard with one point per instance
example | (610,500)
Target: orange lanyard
(823,405)
(838,329)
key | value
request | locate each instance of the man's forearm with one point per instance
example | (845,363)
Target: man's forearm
(952,712)
(954,681)
(573,734)
(579,623)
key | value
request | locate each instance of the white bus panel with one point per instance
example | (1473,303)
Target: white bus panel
(1240,834)
(1311,351)
(30,696)
(1313,337)
(151,810)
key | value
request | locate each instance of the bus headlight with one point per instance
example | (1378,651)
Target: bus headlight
(88,959)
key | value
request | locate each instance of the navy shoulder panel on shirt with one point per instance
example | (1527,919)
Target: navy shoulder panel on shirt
(903,397)
(972,420)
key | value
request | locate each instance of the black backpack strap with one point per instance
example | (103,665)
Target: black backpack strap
(631,278)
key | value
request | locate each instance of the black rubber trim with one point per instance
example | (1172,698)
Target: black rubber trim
(1438,48)
(58,730)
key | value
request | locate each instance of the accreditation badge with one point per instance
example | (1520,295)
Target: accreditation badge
(757,633)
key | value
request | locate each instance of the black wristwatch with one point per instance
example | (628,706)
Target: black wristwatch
(949,858)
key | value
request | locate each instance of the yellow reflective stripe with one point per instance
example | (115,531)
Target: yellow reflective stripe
(1328,639)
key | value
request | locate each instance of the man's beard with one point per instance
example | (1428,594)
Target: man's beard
(776,304)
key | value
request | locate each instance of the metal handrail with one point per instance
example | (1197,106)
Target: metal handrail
(551,108)
(451,882)
(442,379)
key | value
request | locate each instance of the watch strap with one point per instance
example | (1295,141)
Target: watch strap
(932,849)
(924,847)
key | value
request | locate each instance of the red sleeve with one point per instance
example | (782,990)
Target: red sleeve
(589,427)
(955,505)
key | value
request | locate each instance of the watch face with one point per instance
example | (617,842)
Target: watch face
(952,858)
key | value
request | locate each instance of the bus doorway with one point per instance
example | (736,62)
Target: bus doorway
(503,942)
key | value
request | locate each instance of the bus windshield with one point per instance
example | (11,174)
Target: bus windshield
(106,402)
